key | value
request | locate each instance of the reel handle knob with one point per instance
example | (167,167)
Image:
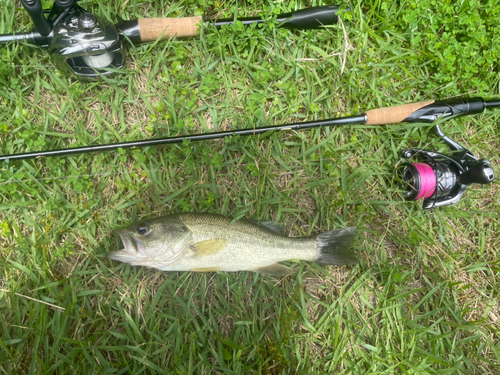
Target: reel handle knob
(480,173)
(34,9)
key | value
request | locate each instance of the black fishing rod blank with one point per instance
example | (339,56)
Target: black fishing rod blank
(436,178)
(193,138)
(426,112)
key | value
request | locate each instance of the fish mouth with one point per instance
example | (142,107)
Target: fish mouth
(132,247)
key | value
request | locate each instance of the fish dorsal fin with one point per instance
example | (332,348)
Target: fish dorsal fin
(209,247)
(275,269)
(275,227)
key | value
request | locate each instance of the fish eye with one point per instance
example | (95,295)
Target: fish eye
(143,229)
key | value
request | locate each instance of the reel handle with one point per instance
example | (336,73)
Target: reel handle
(481,173)
(35,11)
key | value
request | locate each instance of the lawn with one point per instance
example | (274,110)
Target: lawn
(424,298)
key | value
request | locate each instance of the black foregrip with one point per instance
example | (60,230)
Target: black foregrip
(34,9)
(313,18)
(448,108)
(129,29)
(309,18)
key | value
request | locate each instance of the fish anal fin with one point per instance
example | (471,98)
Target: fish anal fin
(209,247)
(275,269)
(206,269)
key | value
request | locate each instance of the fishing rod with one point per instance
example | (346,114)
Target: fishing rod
(438,179)
(89,46)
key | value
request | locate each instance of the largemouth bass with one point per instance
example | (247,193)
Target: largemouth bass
(206,243)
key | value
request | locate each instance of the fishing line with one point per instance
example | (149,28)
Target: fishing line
(421,180)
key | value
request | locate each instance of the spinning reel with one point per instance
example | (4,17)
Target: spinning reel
(439,179)
(89,46)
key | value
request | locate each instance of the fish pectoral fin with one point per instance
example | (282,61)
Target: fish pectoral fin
(275,269)
(209,247)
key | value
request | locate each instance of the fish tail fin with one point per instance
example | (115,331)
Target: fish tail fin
(334,247)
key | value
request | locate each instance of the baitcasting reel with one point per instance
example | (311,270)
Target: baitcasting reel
(439,179)
(89,46)
(78,41)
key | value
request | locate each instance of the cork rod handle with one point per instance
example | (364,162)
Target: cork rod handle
(393,115)
(151,29)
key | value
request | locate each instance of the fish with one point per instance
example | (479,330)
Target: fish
(203,242)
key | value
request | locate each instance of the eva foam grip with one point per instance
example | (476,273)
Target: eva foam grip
(393,115)
(151,29)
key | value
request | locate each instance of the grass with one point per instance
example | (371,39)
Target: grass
(424,298)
